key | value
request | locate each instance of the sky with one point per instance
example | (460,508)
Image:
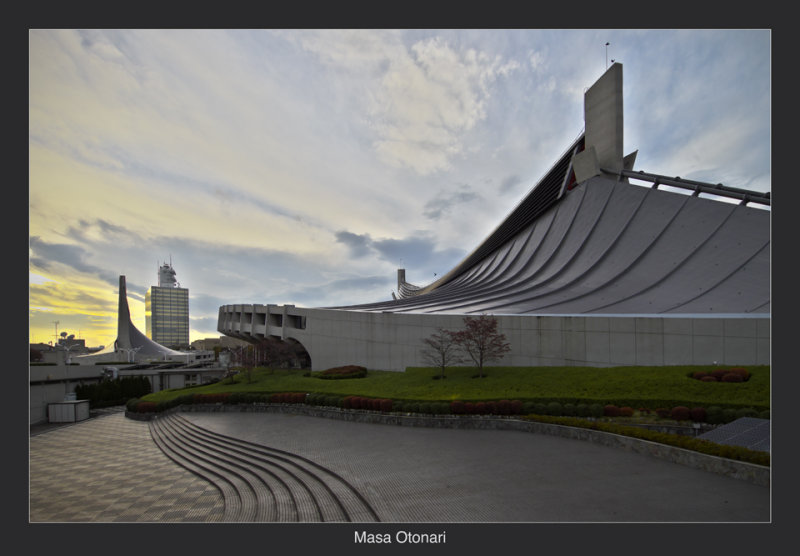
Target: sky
(307,166)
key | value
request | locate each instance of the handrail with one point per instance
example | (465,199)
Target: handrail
(745,195)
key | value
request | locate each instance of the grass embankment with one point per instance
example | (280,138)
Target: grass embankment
(644,388)
(649,387)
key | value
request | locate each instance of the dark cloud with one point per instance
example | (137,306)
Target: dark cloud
(509,183)
(444,203)
(44,255)
(359,244)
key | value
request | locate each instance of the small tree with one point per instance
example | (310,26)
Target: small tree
(247,361)
(441,350)
(481,341)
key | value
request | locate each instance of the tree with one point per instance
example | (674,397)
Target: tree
(441,350)
(272,352)
(481,341)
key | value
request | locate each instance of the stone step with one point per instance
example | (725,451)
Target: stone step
(270,485)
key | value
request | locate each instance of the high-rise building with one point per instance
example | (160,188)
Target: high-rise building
(167,310)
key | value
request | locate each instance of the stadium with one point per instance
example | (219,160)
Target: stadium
(599,265)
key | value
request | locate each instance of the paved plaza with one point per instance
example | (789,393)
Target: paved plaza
(109,469)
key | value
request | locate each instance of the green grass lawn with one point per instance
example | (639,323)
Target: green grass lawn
(634,386)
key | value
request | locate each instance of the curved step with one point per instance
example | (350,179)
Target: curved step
(337,499)
(258,500)
(270,484)
(239,491)
(228,488)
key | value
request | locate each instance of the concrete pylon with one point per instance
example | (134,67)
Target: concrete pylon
(602,106)
(129,337)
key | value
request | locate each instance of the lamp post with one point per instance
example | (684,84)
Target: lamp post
(67,358)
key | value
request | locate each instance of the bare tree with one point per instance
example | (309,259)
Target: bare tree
(247,360)
(441,350)
(272,352)
(481,341)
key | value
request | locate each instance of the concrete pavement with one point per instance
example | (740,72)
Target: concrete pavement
(109,470)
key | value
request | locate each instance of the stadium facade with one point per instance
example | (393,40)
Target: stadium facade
(598,265)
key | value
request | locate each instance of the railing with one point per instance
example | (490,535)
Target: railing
(698,187)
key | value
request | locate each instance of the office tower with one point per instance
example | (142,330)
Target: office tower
(167,310)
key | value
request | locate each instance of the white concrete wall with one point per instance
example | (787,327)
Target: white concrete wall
(392,341)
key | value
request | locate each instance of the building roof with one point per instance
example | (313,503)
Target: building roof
(586,240)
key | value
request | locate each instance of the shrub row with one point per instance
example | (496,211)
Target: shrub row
(712,415)
(426,408)
(113,391)
(501,407)
(288,397)
(736,374)
(360,402)
(682,441)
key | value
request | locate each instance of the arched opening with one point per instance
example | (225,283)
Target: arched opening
(273,352)
(300,355)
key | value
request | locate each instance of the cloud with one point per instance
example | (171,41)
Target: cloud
(47,256)
(359,245)
(509,183)
(344,291)
(443,203)
(420,98)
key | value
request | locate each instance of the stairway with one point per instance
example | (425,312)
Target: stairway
(260,484)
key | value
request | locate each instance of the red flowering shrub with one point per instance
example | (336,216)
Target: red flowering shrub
(662,412)
(733,377)
(146,407)
(611,410)
(457,407)
(698,414)
(740,371)
(626,412)
(708,378)
(504,407)
(480,408)
(680,413)
(210,398)
(385,405)
(491,408)
(347,371)
(516,407)
(719,373)
(700,374)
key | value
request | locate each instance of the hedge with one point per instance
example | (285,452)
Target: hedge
(713,414)
(681,441)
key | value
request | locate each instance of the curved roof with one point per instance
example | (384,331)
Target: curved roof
(611,247)
(131,338)
(586,241)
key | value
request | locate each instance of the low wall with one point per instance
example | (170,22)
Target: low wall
(749,472)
